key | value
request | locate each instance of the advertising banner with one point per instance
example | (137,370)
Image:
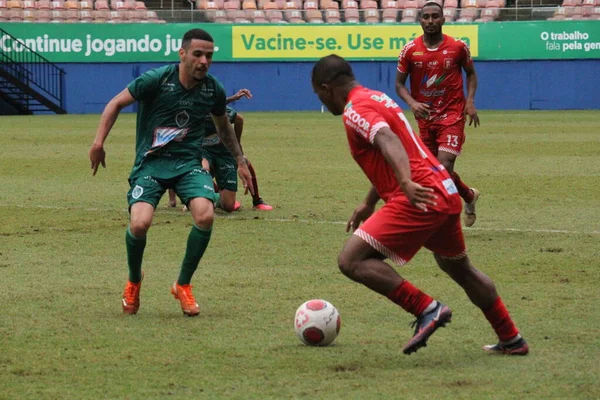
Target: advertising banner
(105,43)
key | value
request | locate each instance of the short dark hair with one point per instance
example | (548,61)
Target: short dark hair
(199,34)
(329,68)
(433,3)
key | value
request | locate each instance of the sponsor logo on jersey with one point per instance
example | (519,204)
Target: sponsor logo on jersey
(418,64)
(167,87)
(434,80)
(211,140)
(356,121)
(163,135)
(418,53)
(432,64)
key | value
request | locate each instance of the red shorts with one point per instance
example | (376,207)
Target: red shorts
(443,137)
(398,230)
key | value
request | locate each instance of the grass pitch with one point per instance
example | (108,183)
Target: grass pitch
(62,271)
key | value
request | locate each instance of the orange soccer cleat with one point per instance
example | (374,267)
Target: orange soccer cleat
(131,297)
(183,293)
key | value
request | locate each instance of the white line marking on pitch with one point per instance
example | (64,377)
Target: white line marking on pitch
(297,220)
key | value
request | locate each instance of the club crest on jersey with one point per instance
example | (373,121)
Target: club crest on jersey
(182,119)
(448,63)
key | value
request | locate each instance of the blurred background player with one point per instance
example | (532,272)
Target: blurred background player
(422,209)
(436,98)
(219,161)
(173,103)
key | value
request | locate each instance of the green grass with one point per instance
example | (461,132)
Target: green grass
(62,270)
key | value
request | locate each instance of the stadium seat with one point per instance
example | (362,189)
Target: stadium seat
(468,14)
(332,16)
(293,16)
(271,5)
(72,16)
(280,4)
(58,15)
(101,5)
(410,4)
(332,5)
(291,5)
(42,4)
(311,5)
(450,13)
(451,4)
(14,4)
(274,16)
(349,4)
(577,13)
(371,16)
(3,6)
(314,16)
(214,15)
(351,16)
(469,3)
(390,15)
(368,4)
(409,15)
(257,16)
(15,14)
(231,5)
(249,5)
(29,5)
(393,4)
(43,16)
(240,17)
(3,14)
(29,15)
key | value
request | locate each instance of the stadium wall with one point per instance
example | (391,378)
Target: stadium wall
(285,86)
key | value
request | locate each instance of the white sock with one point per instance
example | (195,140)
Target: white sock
(513,340)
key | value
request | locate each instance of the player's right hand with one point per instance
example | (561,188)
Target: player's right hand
(419,196)
(420,110)
(242,93)
(360,214)
(97,157)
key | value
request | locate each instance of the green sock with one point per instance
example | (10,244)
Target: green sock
(135,254)
(196,245)
(218,200)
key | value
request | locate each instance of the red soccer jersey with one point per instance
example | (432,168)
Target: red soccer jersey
(366,112)
(436,75)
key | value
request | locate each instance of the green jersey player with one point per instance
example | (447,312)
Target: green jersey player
(173,102)
(219,161)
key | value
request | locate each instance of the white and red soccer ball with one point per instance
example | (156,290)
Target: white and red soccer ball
(317,323)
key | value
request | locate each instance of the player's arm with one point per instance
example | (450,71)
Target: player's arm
(420,110)
(470,109)
(228,138)
(241,93)
(107,120)
(392,149)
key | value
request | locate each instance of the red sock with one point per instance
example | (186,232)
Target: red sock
(410,298)
(255,196)
(463,190)
(501,321)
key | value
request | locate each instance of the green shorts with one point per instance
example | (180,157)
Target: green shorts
(192,184)
(223,167)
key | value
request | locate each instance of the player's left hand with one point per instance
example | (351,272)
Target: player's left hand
(471,111)
(245,176)
(419,196)
(360,214)
(242,93)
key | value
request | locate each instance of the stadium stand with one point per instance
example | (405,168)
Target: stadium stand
(284,11)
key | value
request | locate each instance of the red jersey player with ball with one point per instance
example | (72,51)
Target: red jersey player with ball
(435,62)
(422,209)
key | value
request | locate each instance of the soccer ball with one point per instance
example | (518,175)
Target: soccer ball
(317,323)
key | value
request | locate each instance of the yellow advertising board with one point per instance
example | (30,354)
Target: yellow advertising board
(313,42)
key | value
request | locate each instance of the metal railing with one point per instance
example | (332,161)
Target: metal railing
(32,69)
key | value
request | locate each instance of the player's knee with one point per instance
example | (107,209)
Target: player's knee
(139,226)
(239,119)
(347,265)
(204,220)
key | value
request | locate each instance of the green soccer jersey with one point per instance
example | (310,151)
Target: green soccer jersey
(171,121)
(211,142)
